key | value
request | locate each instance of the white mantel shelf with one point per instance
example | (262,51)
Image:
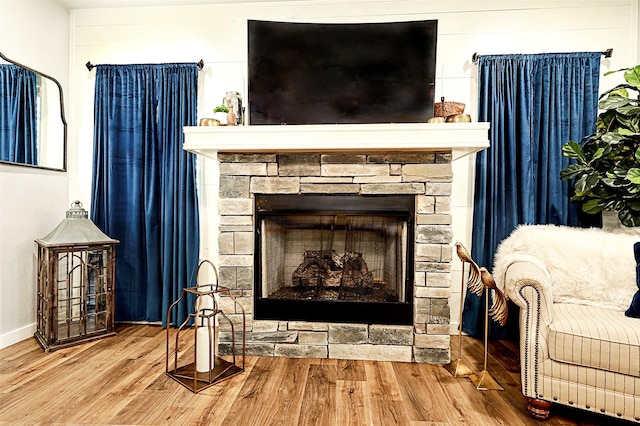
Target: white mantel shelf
(461,138)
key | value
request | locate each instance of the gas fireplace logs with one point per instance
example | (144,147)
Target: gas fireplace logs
(325,274)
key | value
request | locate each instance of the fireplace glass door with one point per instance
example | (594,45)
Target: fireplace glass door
(334,258)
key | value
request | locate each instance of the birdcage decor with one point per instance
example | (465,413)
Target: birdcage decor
(76,283)
(192,357)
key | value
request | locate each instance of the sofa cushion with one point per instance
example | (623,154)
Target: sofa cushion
(594,337)
(634,308)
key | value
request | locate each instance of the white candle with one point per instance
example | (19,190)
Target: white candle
(205,349)
(207,334)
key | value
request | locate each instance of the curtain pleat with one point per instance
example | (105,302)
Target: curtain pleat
(144,184)
(535,104)
(18,115)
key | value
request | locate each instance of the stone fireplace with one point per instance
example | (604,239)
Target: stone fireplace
(300,205)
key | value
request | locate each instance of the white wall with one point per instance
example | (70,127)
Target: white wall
(36,33)
(217,34)
(32,201)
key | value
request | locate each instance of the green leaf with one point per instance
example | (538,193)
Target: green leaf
(629,110)
(612,205)
(629,218)
(632,76)
(615,71)
(626,132)
(586,183)
(628,124)
(604,120)
(614,182)
(591,207)
(598,154)
(573,150)
(614,101)
(633,175)
(620,171)
(612,137)
(620,90)
(573,170)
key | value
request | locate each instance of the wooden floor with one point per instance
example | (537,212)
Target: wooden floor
(121,380)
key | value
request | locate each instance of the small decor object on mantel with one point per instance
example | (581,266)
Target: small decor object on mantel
(76,283)
(233,101)
(445,109)
(209,122)
(449,112)
(231,117)
(220,113)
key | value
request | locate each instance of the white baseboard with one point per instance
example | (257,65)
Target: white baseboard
(453,328)
(17,335)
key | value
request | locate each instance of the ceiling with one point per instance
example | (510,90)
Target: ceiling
(91,4)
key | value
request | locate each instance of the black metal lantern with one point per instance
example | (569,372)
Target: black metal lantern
(76,282)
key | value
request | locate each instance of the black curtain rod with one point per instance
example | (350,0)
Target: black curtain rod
(607,54)
(90,66)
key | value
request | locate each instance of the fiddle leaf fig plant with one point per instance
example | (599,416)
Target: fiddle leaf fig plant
(606,163)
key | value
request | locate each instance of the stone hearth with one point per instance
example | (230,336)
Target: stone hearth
(363,160)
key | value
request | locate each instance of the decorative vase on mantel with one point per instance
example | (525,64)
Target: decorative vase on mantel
(231,117)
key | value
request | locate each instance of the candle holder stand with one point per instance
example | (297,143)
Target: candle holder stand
(192,352)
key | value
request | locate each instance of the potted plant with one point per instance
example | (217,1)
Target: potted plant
(607,162)
(220,113)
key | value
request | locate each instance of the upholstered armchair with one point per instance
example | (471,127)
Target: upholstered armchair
(577,347)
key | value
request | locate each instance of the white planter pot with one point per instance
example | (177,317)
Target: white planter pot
(611,223)
(221,117)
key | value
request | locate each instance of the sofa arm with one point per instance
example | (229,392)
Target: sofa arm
(528,286)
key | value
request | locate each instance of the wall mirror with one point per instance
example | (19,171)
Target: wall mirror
(33,128)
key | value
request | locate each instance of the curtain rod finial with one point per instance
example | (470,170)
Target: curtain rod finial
(200,64)
(474,58)
(89,65)
(608,53)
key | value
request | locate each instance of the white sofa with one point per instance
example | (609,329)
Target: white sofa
(577,347)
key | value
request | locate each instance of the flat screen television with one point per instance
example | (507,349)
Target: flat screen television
(315,73)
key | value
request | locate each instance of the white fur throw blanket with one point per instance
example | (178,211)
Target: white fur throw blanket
(584,266)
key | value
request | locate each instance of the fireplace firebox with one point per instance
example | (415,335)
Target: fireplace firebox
(334,258)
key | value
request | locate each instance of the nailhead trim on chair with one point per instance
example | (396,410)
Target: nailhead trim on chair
(525,381)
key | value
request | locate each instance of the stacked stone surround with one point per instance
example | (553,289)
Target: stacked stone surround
(427,175)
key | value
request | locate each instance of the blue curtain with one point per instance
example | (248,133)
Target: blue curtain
(144,184)
(18,115)
(535,104)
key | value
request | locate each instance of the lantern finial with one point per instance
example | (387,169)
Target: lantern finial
(76,211)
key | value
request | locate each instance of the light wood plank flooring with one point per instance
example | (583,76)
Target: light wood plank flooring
(121,380)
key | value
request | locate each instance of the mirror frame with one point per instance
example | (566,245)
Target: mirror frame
(62,117)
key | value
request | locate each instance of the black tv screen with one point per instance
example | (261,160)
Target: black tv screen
(312,73)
